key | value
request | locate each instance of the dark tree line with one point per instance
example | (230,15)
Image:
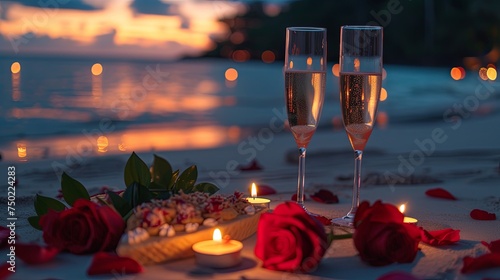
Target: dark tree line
(418,32)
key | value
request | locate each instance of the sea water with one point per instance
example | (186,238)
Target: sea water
(56,106)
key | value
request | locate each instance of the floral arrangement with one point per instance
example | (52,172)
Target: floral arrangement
(83,224)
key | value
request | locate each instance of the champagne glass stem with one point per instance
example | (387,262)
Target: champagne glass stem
(358,156)
(301,177)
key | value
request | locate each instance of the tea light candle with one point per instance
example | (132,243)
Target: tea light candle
(257,201)
(408,220)
(218,253)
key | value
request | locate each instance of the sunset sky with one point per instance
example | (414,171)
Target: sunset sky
(158,29)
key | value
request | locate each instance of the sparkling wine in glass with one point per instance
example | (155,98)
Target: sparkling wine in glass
(360,85)
(305,79)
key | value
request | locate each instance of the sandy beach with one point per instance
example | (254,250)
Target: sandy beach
(464,161)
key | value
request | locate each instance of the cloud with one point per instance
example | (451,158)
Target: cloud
(59,4)
(114,28)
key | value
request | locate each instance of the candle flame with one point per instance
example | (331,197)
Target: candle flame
(217,235)
(402,208)
(254,191)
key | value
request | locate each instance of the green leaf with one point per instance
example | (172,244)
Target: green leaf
(186,180)
(72,189)
(34,222)
(136,171)
(43,204)
(120,204)
(162,172)
(136,194)
(206,187)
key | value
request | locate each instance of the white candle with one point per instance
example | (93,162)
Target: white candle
(218,253)
(257,201)
(408,220)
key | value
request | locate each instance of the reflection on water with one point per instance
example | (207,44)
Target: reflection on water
(64,107)
(55,108)
(143,138)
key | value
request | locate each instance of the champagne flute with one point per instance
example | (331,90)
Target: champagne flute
(360,85)
(305,79)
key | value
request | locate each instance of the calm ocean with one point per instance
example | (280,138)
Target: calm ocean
(55,106)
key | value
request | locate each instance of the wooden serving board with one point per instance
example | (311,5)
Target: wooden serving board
(157,249)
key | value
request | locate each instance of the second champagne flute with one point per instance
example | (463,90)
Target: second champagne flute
(360,85)
(305,79)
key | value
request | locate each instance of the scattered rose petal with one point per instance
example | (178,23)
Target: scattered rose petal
(494,246)
(4,236)
(397,275)
(35,254)
(478,214)
(264,190)
(107,263)
(482,262)
(440,193)
(325,196)
(59,194)
(440,237)
(252,166)
(294,197)
(5,272)
(323,220)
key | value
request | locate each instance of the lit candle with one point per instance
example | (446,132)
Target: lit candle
(218,253)
(408,220)
(257,201)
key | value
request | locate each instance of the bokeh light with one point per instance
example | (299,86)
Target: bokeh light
(268,56)
(457,73)
(21,150)
(102,144)
(382,119)
(231,74)
(96,69)
(383,94)
(483,73)
(237,38)
(491,73)
(336,69)
(309,61)
(241,55)
(384,74)
(15,67)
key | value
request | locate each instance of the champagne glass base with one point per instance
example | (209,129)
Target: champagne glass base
(346,221)
(307,210)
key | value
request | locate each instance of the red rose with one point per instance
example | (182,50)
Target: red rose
(84,228)
(381,237)
(288,239)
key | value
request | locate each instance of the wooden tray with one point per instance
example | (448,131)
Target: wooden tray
(163,249)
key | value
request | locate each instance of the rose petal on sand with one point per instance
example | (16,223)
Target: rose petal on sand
(440,193)
(108,263)
(478,214)
(264,190)
(4,236)
(5,272)
(324,220)
(397,275)
(440,237)
(35,254)
(325,196)
(252,166)
(482,262)
(494,246)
